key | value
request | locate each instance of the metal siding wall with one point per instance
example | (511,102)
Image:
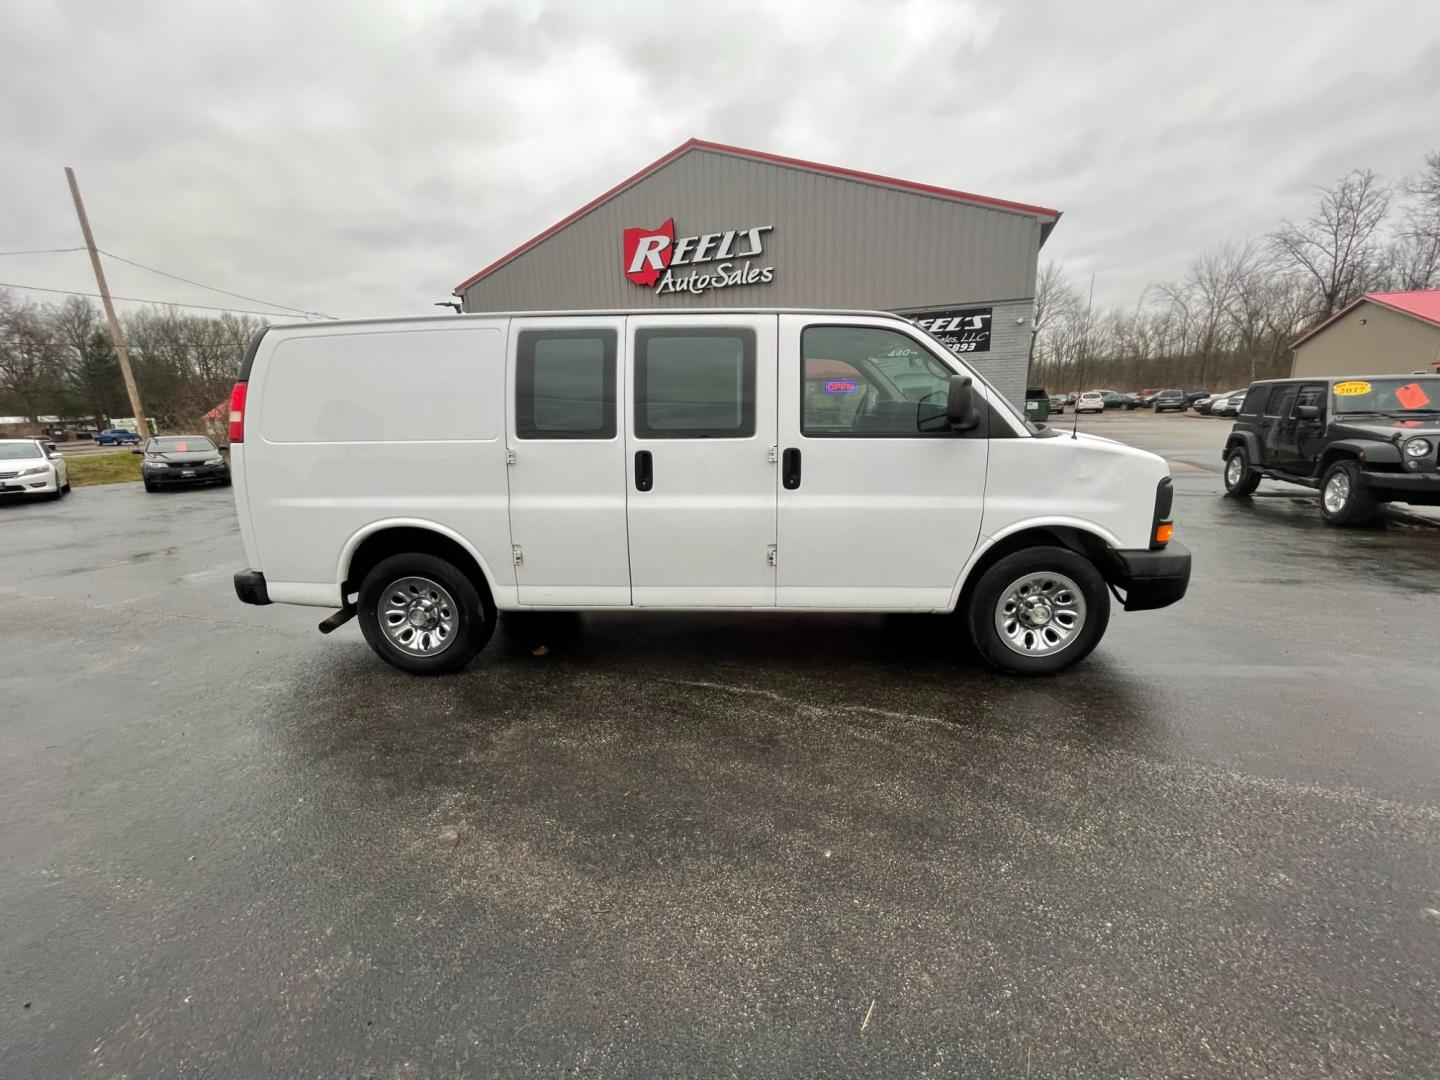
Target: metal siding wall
(837,243)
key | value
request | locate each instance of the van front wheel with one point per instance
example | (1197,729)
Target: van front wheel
(1038,611)
(422,615)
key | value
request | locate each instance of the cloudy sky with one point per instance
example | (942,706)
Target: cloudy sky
(363,157)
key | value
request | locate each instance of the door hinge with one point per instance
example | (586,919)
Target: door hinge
(518,554)
(772,557)
(774,454)
(509,456)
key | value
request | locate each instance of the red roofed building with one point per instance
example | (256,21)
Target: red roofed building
(1382,333)
(709,225)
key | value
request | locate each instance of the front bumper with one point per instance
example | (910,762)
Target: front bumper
(42,484)
(250,587)
(203,474)
(1422,489)
(1152,579)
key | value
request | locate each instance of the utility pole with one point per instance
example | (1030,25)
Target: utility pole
(142,426)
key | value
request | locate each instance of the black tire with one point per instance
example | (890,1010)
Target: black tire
(985,598)
(225,482)
(473,618)
(150,487)
(1247,480)
(65,490)
(1359,504)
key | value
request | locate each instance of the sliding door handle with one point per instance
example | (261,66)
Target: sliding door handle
(790,469)
(644,471)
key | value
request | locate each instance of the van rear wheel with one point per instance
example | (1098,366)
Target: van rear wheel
(423,615)
(1038,611)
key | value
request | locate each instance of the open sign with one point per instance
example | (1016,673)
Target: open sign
(840,386)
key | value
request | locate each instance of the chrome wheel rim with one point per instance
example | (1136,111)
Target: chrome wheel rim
(1337,493)
(1040,614)
(1232,471)
(418,616)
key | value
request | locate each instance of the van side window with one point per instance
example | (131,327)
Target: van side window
(695,383)
(866,381)
(565,384)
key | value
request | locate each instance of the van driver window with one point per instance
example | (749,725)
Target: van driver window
(565,384)
(860,380)
(695,383)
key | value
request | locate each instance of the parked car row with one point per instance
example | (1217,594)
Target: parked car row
(34,468)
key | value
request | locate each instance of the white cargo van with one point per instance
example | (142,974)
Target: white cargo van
(426,473)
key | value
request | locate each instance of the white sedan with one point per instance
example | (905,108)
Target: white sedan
(1090,401)
(32,467)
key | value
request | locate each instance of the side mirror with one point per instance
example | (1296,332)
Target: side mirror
(136,450)
(960,404)
(1307,412)
(50,446)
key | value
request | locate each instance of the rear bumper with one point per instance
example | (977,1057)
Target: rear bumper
(1152,579)
(250,587)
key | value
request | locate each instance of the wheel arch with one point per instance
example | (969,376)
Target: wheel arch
(1083,538)
(396,536)
(1248,440)
(1362,450)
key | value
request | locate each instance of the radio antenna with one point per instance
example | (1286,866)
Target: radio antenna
(1084,351)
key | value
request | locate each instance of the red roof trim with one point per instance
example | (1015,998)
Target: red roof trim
(772,159)
(1380,299)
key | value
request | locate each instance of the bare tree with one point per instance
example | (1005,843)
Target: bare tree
(1412,258)
(1335,248)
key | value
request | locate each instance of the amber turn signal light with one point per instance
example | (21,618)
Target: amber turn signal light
(1163,532)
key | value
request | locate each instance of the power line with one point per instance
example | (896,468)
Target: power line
(44,251)
(162,303)
(212,288)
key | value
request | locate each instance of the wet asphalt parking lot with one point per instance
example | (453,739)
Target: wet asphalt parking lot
(721,845)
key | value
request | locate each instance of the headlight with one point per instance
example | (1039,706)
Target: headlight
(215,461)
(158,464)
(1417,448)
(34,470)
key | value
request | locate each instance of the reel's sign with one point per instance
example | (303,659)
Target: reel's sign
(719,260)
(964,331)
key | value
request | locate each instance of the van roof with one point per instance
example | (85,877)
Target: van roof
(609,312)
(489,316)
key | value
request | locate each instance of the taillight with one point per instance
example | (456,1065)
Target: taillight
(237,413)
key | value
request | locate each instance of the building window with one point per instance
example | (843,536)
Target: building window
(696,383)
(565,384)
(865,381)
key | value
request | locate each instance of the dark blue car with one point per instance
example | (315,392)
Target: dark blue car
(116,436)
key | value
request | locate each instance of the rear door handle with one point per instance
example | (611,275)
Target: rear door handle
(790,469)
(644,471)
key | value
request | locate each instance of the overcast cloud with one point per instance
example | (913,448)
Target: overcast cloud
(363,158)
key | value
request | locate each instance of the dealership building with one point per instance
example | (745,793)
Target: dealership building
(720,226)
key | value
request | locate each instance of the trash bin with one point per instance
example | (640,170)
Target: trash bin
(1037,404)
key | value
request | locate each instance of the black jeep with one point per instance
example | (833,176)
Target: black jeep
(1358,441)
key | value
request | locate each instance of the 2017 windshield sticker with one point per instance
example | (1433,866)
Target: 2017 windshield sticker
(1354,388)
(1412,396)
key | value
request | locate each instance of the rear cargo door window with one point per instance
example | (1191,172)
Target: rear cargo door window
(565,384)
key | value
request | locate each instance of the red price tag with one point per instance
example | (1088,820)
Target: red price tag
(1412,396)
